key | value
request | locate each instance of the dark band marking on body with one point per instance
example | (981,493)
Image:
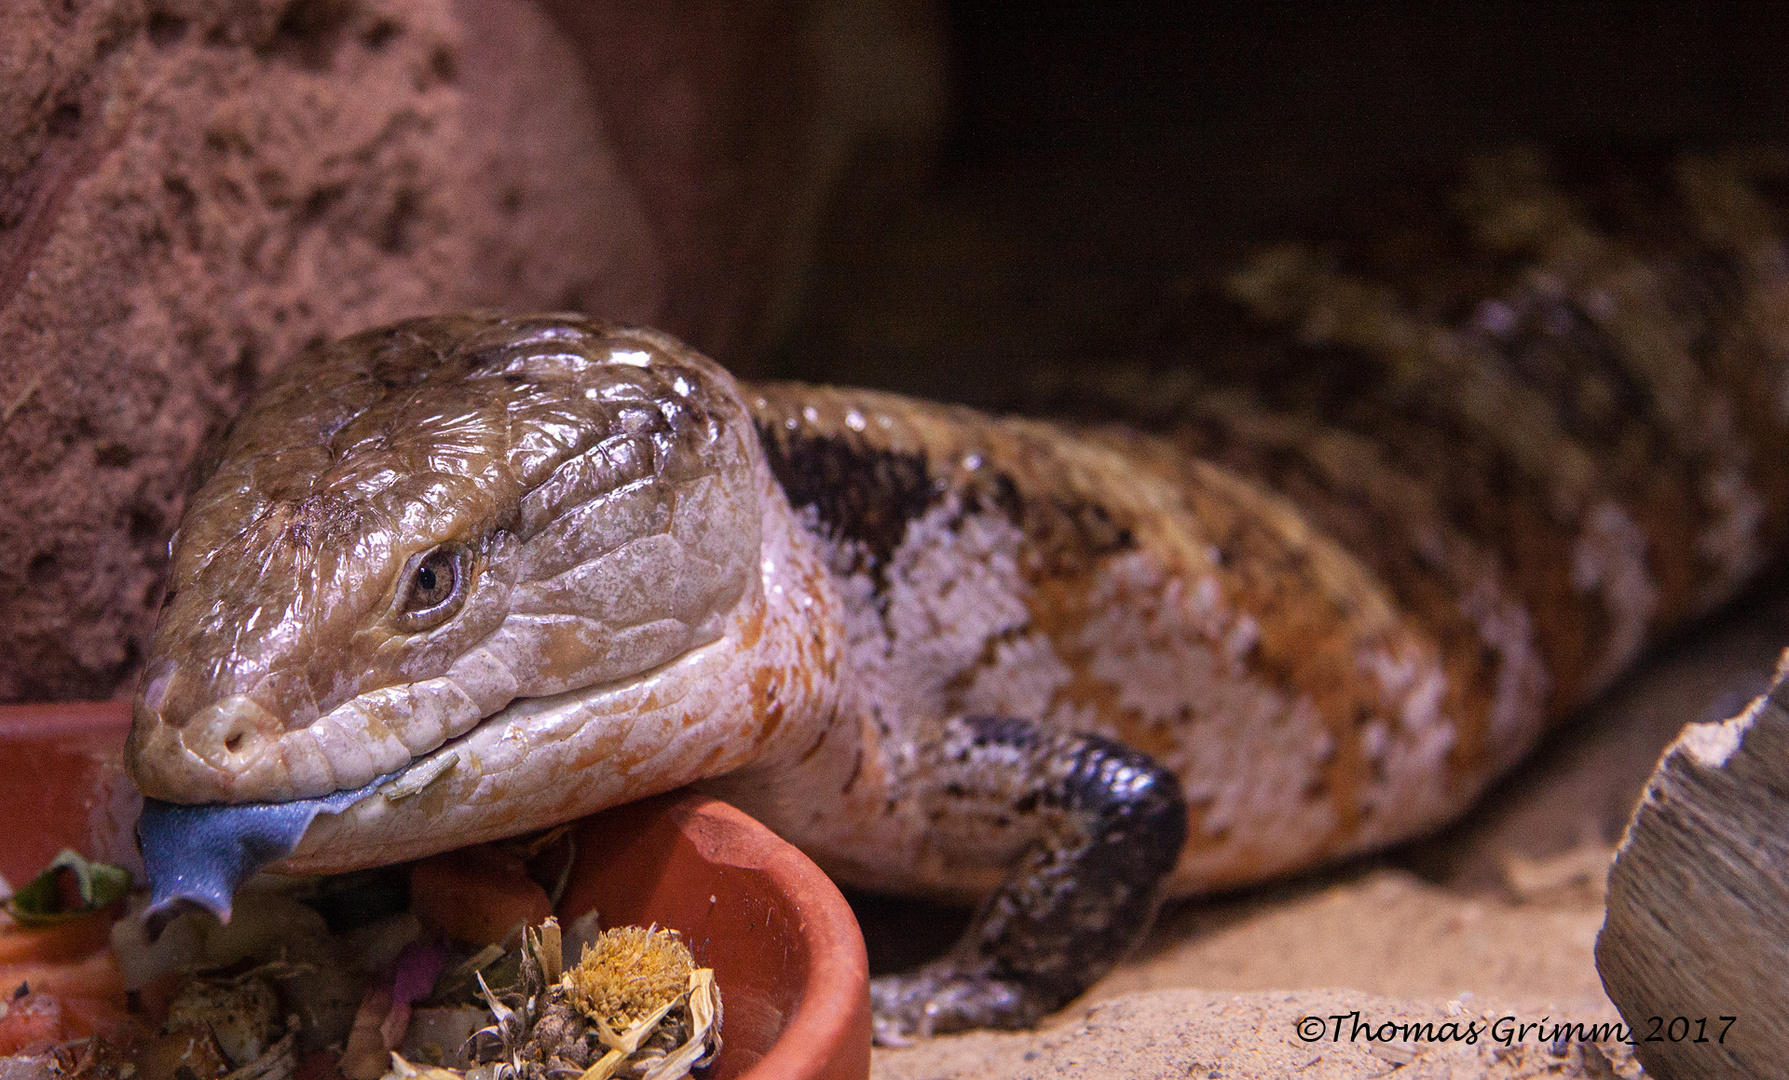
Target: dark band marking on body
(861,493)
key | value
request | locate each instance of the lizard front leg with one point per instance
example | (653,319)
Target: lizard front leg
(1105,826)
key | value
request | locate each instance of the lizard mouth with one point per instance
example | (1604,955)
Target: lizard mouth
(197,855)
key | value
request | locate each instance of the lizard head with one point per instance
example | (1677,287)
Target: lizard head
(423,533)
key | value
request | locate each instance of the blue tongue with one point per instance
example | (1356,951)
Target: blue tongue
(200,854)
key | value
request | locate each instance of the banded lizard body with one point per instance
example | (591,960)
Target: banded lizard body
(469,576)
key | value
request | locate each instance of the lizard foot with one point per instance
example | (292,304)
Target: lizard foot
(1107,824)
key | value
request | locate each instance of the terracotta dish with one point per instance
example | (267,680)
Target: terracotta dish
(784,945)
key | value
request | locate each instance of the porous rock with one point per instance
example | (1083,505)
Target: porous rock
(191,191)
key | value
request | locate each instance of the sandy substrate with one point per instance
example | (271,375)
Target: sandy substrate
(1496,918)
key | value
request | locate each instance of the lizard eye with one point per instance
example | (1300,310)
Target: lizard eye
(434,586)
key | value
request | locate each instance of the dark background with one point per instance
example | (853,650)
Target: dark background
(1093,153)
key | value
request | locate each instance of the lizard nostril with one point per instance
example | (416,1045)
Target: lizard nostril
(242,737)
(237,731)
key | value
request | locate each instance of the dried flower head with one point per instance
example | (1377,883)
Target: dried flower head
(635,1006)
(630,973)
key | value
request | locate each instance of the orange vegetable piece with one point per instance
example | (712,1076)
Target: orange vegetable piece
(33,1022)
(96,976)
(72,975)
(476,895)
(70,940)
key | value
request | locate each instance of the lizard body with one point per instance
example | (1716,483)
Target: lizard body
(531,567)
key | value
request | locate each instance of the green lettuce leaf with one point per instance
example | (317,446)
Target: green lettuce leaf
(41,902)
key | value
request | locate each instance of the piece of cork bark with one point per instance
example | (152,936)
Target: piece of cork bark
(1694,950)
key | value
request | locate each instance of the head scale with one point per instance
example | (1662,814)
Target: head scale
(417,525)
